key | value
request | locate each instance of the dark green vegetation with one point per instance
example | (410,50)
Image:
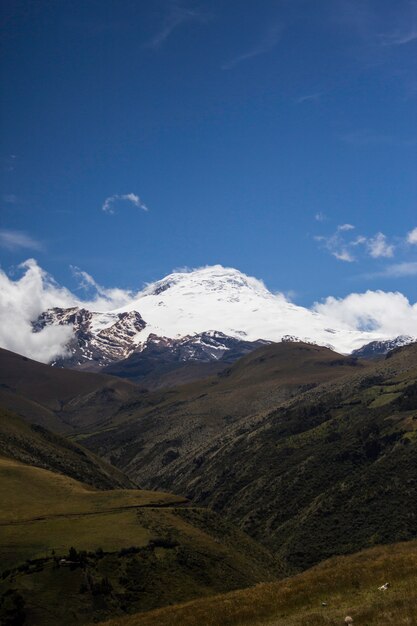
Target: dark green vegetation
(71,554)
(348,586)
(311,453)
(168,428)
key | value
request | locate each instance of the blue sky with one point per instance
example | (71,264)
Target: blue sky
(275,137)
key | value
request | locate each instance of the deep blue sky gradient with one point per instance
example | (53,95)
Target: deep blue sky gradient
(235,122)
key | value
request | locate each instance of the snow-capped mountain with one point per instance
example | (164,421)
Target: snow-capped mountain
(379,348)
(189,304)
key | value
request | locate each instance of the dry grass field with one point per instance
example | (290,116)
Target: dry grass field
(348,585)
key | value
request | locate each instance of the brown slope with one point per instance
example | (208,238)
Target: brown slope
(172,425)
(34,445)
(61,399)
(348,585)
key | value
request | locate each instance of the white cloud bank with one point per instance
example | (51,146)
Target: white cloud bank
(22,300)
(388,313)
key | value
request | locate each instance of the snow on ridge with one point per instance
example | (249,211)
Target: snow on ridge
(224,300)
(237,305)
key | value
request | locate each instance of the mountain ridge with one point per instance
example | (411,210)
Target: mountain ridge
(186,304)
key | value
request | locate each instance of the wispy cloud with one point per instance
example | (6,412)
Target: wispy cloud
(18,240)
(344,255)
(108,204)
(310,97)
(337,245)
(377,32)
(343,247)
(102,297)
(177,16)
(379,247)
(412,236)
(269,40)
(345,227)
(396,270)
(369,22)
(399,37)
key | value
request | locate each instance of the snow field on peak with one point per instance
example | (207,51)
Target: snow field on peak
(237,305)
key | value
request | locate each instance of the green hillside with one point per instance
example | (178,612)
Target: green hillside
(72,554)
(311,453)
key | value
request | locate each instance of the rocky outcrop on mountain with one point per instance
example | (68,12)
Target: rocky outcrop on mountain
(159,356)
(98,338)
(375,349)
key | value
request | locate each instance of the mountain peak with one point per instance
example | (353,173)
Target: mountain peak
(206,279)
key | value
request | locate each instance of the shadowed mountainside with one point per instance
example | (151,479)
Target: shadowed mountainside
(164,362)
(310,452)
(58,399)
(35,445)
(164,428)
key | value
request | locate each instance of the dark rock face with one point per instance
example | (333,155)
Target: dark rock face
(376,349)
(91,344)
(162,354)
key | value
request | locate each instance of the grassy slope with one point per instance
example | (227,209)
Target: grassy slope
(349,586)
(170,425)
(47,511)
(32,492)
(178,553)
(34,445)
(58,399)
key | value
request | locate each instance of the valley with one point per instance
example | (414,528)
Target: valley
(126,499)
